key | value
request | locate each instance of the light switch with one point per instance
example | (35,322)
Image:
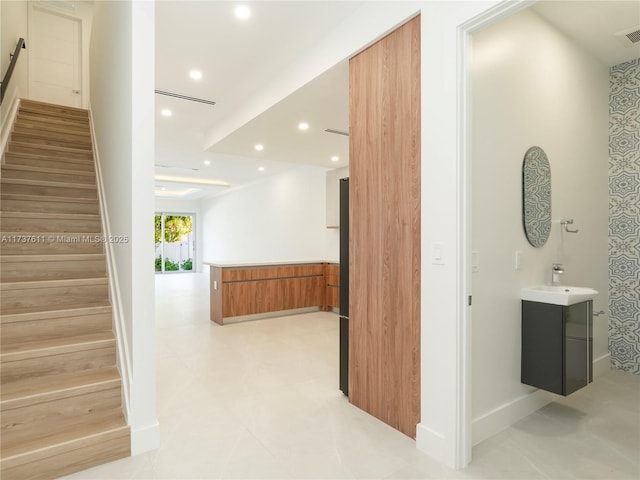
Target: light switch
(518,260)
(215,284)
(437,253)
(475,262)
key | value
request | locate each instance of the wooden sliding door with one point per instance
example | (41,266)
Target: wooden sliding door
(384,171)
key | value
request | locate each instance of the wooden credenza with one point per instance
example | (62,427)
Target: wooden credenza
(238,290)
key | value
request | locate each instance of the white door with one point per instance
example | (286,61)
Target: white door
(55,58)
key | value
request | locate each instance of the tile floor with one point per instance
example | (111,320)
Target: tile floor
(259,400)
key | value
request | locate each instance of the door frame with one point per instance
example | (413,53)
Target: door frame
(464,340)
(33,6)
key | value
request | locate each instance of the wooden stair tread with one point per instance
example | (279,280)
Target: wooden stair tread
(54,148)
(4,286)
(51,129)
(45,183)
(60,117)
(30,390)
(48,198)
(63,257)
(57,442)
(51,234)
(56,346)
(27,312)
(37,103)
(36,156)
(50,314)
(30,168)
(50,216)
(48,138)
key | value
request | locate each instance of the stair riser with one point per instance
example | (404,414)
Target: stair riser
(50,152)
(50,328)
(49,191)
(53,140)
(44,225)
(51,109)
(28,121)
(62,363)
(95,451)
(49,177)
(39,206)
(52,132)
(41,298)
(55,118)
(61,163)
(51,246)
(51,270)
(17,423)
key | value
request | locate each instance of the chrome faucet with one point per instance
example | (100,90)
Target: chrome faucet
(556,272)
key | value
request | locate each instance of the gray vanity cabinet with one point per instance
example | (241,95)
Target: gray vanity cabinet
(557,346)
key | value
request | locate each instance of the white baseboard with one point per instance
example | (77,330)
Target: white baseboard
(601,365)
(434,444)
(490,423)
(509,413)
(145,439)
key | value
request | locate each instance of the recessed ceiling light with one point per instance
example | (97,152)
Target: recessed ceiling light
(261,169)
(335,158)
(207,162)
(259,147)
(163,188)
(242,12)
(195,74)
(303,126)
(166,112)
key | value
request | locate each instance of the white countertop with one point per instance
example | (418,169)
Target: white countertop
(267,264)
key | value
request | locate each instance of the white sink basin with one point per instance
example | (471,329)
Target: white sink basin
(560,295)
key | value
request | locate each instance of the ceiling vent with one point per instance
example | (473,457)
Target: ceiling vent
(184,97)
(337,132)
(630,36)
(176,168)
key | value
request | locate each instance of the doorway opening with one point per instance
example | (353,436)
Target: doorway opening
(174,242)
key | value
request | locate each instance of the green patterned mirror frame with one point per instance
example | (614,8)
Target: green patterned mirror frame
(536,196)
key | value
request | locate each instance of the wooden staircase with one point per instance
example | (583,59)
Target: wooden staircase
(60,397)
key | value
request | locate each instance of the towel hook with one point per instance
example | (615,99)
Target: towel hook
(565,223)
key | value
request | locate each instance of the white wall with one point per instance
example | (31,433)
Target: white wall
(169,205)
(13,25)
(122,109)
(532,86)
(279,219)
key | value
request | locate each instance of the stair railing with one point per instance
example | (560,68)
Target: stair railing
(12,64)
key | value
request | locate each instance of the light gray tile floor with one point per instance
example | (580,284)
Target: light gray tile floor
(259,400)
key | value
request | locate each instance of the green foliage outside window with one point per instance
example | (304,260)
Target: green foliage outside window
(170,266)
(176,227)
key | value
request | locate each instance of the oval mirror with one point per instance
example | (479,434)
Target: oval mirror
(536,196)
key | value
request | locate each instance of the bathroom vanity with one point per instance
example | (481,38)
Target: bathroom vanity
(557,345)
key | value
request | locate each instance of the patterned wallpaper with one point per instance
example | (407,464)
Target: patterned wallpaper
(624,216)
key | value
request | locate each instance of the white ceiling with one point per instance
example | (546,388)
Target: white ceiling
(593,25)
(237,57)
